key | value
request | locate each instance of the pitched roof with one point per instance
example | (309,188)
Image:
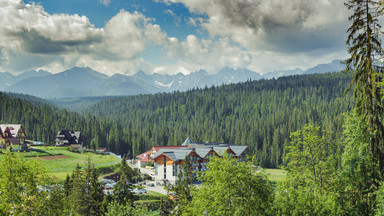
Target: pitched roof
(174,154)
(202,152)
(14,128)
(177,153)
(238,149)
(14,141)
(71,137)
(3,127)
(144,155)
(187,142)
(157,148)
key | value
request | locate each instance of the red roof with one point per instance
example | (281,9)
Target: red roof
(144,157)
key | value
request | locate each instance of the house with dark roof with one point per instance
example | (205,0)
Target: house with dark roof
(168,161)
(13,136)
(68,137)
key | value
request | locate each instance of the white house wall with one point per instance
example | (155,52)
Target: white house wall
(169,173)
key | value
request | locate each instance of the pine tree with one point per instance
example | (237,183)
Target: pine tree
(365,49)
(122,194)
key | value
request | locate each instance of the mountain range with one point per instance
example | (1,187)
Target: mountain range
(85,82)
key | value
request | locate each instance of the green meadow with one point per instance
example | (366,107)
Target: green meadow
(276,175)
(60,161)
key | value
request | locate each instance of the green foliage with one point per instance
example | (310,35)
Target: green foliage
(122,194)
(312,155)
(86,193)
(183,187)
(364,62)
(114,208)
(231,188)
(166,207)
(380,200)
(361,173)
(312,169)
(19,181)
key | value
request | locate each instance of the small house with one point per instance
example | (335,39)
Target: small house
(68,137)
(13,136)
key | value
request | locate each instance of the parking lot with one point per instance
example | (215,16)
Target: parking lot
(148,185)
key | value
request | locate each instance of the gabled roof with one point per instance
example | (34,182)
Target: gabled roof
(72,137)
(170,155)
(174,154)
(157,148)
(202,152)
(187,142)
(220,150)
(145,157)
(13,128)
(6,129)
(238,149)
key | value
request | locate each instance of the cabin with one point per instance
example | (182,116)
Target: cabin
(13,136)
(68,137)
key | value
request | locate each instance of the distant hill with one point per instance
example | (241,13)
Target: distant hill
(77,103)
(8,79)
(334,66)
(85,82)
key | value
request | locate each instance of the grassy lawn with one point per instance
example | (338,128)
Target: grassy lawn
(59,161)
(275,175)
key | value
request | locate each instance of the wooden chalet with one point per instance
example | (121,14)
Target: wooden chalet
(68,137)
(13,136)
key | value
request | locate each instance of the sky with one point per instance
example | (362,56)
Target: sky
(170,36)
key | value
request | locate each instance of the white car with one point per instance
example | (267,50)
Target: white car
(137,191)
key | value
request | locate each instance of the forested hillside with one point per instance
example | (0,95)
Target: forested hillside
(42,121)
(260,114)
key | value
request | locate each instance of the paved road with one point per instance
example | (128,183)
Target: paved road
(156,188)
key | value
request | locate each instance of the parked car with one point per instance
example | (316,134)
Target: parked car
(107,181)
(137,191)
(108,192)
(109,186)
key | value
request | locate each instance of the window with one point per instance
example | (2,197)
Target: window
(165,167)
(174,169)
(155,168)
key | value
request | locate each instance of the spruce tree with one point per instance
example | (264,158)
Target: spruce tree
(365,50)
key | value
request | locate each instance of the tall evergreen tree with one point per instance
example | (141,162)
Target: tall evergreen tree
(365,50)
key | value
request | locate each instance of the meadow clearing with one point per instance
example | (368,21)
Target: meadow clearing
(60,161)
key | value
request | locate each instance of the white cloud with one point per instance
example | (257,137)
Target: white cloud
(31,38)
(274,31)
(259,35)
(105,2)
(286,26)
